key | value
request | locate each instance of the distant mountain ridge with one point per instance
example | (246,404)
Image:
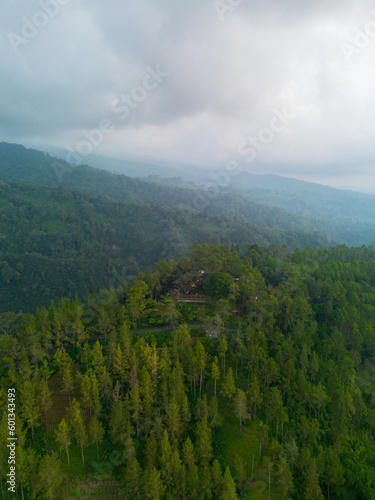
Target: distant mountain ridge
(299,212)
(294,195)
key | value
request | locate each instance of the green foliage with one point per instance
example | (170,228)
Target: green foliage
(218,284)
(50,482)
(228,387)
(297,375)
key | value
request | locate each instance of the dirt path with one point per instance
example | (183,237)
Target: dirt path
(168,328)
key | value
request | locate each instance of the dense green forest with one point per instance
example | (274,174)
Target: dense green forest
(167,342)
(60,242)
(304,212)
(229,373)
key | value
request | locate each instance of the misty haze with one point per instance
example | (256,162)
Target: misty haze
(187,250)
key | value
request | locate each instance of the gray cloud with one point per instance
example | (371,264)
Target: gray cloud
(227,73)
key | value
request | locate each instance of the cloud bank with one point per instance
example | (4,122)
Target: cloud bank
(190,81)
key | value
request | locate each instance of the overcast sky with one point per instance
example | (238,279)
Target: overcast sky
(280,86)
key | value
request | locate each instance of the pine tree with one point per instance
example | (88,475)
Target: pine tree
(120,367)
(96,432)
(129,452)
(165,457)
(85,355)
(240,406)
(215,372)
(45,371)
(67,379)
(164,370)
(78,426)
(203,445)
(188,454)
(104,323)
(240,473)
(61,357)
(123,322)
(277,412)
(25,367)
(147,394)
(63,436)
(185,413)
(173,420)
(111,349)
(262,433)
(171,314)
(132,480)
(136,300)
(50,476)
(151,452)
(284,478)
(45,397)
(97,357)
(177,474)
(95,392)
(194,373)
(105,383)
(333,470)
(153,486)
(312,489)
(268,464)
(176,383)
(119,422)
(228,388)
(55,325)
(206,480)
(26,465)
(193,486)
(214,414)
(158,426)
(216,478)
(228,491)
(30,410)
(202,410)
(86,390)
(201,361)
(144,354)
(135,402)
(133,376)
(155,366)
(223,347)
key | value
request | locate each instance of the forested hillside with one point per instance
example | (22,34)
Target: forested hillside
(358,207)
(21,165)
(60,242)
(269,393)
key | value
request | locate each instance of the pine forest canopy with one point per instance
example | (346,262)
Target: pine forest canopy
(280,404)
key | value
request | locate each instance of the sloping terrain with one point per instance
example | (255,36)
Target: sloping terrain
(302,212)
